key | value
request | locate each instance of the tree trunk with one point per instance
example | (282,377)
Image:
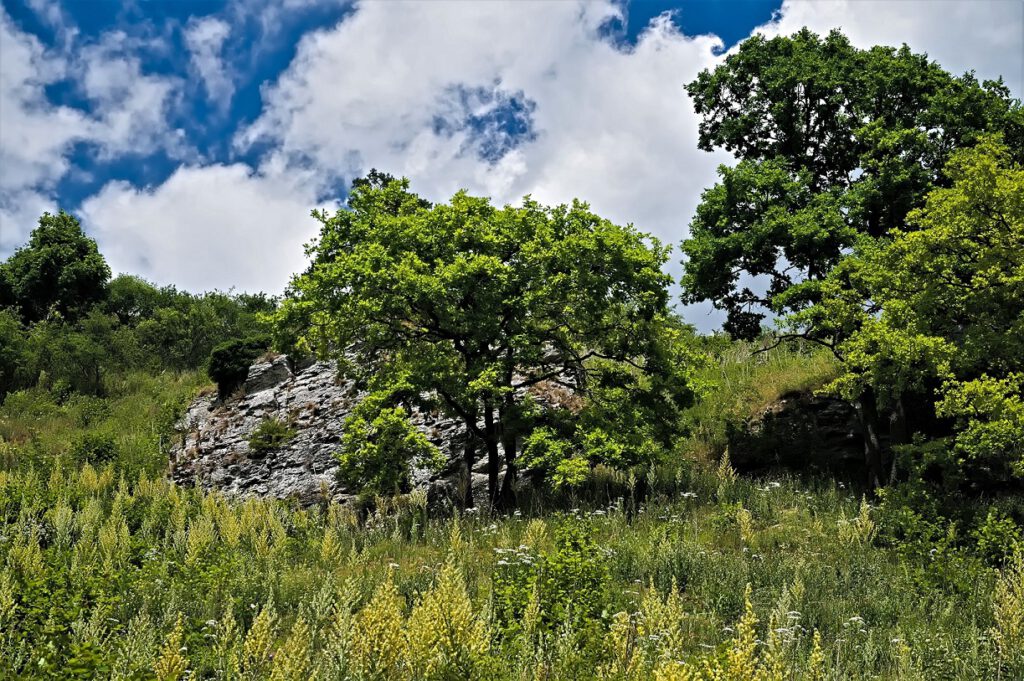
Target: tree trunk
(899,433)
(507,497)
(867,414)
(491,441)
(469,459)
(899,429)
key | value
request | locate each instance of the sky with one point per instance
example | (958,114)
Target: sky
(192,138)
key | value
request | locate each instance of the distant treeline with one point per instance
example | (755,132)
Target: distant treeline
(66,325)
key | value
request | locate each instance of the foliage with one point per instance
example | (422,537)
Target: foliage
(104,572)
(142,328)
(835,144)
(377,447)
(12,350)
(1008,630)
(990,416)
(269,435)
(60,270)
(95,448)
(230,361)
(623,423)
(937,311)
(467,306)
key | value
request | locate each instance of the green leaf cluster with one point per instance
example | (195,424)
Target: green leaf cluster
(378,445)
(60,270)
(937,310)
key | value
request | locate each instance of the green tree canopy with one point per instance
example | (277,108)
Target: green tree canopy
(833,143)
(60,269)
(468,306)
(937,309)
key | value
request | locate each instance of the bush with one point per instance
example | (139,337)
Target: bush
(378,446)
(271,434)
(229,362)
(94,448)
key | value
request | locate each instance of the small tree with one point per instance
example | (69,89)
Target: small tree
(60,269)
(468,307)
(230,361)
(377,446)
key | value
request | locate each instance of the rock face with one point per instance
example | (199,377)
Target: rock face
(801,431)
(214,450)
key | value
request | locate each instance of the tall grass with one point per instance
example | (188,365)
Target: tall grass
(740,383)
(135,420)
(684,571)
(137,578)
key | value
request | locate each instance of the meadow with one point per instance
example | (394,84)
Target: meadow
(685,570)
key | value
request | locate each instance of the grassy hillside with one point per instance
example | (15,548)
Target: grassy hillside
(110,571)
(108,574)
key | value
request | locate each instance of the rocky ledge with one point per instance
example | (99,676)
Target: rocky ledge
(213,448)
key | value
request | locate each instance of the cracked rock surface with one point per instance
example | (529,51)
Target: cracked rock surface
(213,450)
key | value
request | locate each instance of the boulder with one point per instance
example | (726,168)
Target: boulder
(213,451)
(267,374)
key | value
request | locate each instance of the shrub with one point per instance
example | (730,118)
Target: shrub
(229,362)
(94,448)
(997,536)
(378,445)
(271,434)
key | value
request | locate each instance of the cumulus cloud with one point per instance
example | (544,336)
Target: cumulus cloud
(205,39)
(128,116)
(386,88)
(130,108)
(34,135)
(207,227)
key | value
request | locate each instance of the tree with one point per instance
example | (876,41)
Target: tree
(60,270)
(132,299)
(836,146)
(937,309)
(467,307)
(833,143)
(13,343)
(628,418)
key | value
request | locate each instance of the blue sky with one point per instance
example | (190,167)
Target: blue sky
(193,137)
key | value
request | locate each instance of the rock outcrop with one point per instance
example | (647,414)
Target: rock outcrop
(801,431)
(214,449)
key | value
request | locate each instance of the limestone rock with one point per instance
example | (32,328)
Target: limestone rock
(267,374)
(213,449)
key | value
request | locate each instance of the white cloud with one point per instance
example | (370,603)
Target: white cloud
(209,227)
(34,136)
(613,127)
(205,39)
(128,116)
(19,214)
(130,107)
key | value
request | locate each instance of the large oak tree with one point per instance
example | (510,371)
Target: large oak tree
(834,145)
(467,307)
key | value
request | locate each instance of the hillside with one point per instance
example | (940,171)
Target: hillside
(480,440)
